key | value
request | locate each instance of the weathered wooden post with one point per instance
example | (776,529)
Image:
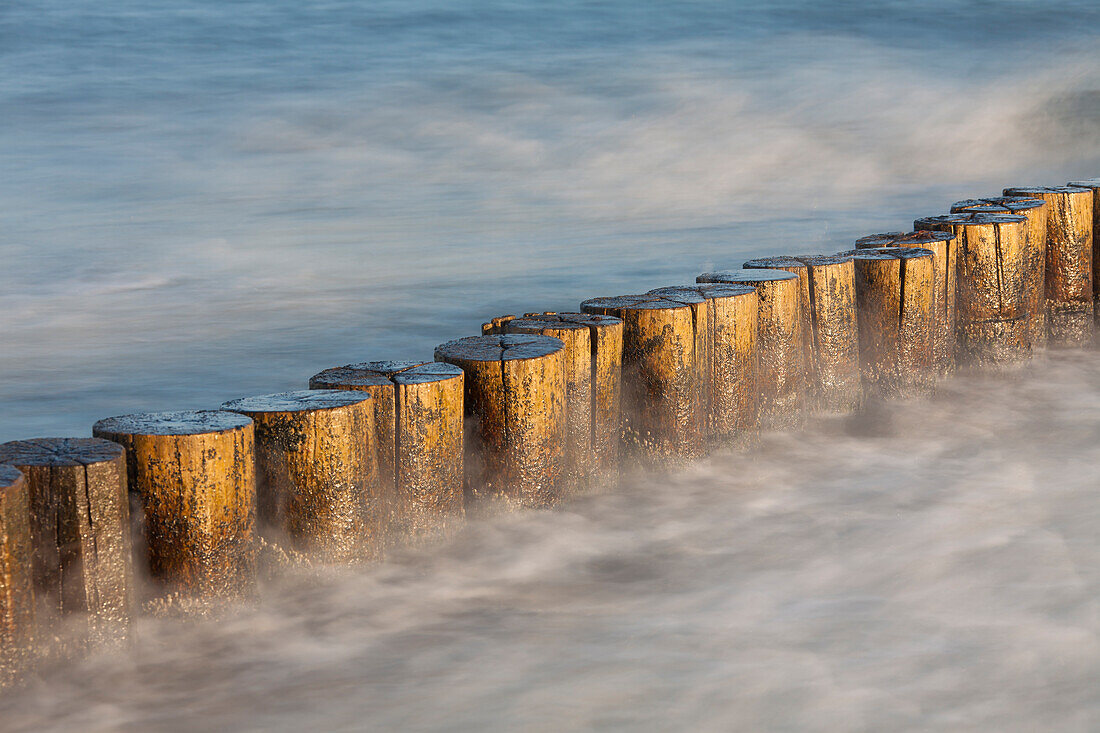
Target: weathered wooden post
(17,603)
(594,348)
(664,371)
(418,435)
(780,345)
(80,530)
(1093,184)
(1069,261)
(194,473)
(994,301)
(731,318)
(515,397)
(317,472)
(829,328)
(895,290)
(1035,211)
(938,239)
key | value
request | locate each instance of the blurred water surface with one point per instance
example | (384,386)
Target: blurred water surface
(204,200)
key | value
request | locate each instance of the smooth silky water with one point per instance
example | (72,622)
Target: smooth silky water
(206,200)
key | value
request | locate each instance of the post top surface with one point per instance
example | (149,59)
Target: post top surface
(562,319)
(9,476)
(59,452)
(764,263)
(302,400)
(185,422)
(384,373)
(1087,183)
(707,290)
(888,253)
(1040,190)
(746,276)
(999,204)
(645,301)
(499,347)
(824,260)
(901,239)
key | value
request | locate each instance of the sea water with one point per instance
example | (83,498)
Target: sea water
(206,200)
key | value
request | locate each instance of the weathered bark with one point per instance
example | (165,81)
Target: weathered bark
(80,529)
(895,293)
(731,318)
(944,251)
(1093,184)
(194,474)
(17,603)
(830,328)
(515,401)
(780,344)
(317,472)
(664,368)
(1035,210)
(418,439)
(993,301)
(1069,261)
(593,355)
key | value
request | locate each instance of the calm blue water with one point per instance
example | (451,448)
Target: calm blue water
(205,200)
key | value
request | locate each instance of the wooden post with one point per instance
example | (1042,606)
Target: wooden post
(1093,184)
(731,318)
(80,529)
(194,473)
(418,435)
(594,348)
(515,397)
(780,345)
(17,604)
(829,327)
(895,289)
(1069,261)
(1035,211)
(664,372)
(994,302)
(317,472)
(944,251)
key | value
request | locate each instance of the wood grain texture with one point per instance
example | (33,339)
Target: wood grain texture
(17,603)
(1093,184)
(895,294)
(1035,211)
(515,386)
(593,346)
(731,331)
(418,412)
(194,474)
(317,483)
(1069,288)
(80,529)
(664,372)
(830,327)
(780,346)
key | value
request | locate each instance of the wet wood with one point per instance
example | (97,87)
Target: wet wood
(1069,289)
(664,372)
(194,475)
(80,530)
(830,328)
(732,312)
(515,388)
(781,377)
(317,486)
(895,294)
(1093,184)
(593,356)
(418,437)
(1035,211)
(944,250)
(17,602)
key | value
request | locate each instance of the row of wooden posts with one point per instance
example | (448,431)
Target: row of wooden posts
(534,410)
